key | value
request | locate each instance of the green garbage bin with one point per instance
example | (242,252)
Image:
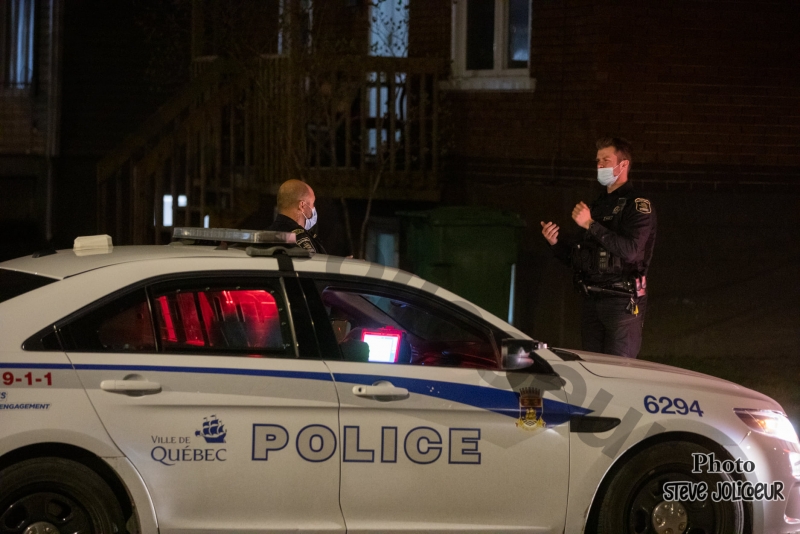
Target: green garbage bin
(472,251)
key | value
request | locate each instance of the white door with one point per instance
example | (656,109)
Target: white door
(229,429)
(434,436)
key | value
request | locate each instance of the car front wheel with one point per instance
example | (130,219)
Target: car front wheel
(54,495)
(634,501)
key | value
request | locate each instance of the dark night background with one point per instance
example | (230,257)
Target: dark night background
(708,93)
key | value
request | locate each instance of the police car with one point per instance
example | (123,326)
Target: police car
(239,387)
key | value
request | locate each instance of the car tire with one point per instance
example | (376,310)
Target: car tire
(57,495)
(633,502)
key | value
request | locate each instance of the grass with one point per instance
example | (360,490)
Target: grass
(775,376)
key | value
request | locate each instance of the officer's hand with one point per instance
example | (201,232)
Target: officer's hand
(582,215)
(550,232)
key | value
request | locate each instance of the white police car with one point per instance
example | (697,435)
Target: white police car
(180,389)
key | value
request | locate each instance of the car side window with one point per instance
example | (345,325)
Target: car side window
(122,325)
(386,327)
(220,318)
(194,316)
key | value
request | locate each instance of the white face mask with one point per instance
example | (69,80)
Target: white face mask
(605,175)
(310,221)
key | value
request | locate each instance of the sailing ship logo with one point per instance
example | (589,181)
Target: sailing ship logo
(213,430)
(531,409)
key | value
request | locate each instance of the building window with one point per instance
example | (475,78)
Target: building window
(389,28)
(16,43)
(491,44)
(388,37)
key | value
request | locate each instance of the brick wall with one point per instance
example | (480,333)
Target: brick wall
(19,125)
(107,88)
(430,28)
(706,91)
(707,82)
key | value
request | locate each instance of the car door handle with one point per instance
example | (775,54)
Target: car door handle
(131,387)
(386,391)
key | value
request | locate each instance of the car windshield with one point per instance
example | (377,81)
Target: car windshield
(15,283)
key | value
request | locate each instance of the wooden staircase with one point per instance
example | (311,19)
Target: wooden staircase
(352,127)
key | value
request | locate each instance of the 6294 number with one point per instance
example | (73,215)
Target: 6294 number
(676,406)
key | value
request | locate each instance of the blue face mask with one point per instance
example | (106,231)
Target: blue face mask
(310,221)
(605,175)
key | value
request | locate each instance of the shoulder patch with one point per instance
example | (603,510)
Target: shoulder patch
(305,242)
(643,205)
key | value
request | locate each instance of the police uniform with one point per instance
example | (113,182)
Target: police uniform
(305,238)
(610,261)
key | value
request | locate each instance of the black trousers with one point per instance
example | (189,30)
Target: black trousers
(607,327)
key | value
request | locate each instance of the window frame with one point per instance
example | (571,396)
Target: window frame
(498,78)
(327,338)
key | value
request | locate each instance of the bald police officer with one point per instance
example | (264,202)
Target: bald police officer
(297,214)
(610,255)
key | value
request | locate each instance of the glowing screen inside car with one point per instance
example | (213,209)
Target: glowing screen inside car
(383,346)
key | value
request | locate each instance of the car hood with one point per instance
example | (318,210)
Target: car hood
(606,366)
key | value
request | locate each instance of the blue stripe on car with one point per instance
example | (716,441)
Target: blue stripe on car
(486,398)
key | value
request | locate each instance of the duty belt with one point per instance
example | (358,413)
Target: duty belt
(619,289)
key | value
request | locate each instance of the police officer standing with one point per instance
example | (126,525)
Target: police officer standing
(297,214)
(610,255)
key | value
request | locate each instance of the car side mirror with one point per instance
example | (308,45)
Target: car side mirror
(518,353)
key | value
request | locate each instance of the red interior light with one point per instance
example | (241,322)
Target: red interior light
(215,317)
(171,336)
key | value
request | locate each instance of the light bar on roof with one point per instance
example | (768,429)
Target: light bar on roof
(231,235)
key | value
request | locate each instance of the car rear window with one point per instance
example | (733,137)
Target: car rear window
(15,283)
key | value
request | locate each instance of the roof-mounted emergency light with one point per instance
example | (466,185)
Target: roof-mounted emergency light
(229,235)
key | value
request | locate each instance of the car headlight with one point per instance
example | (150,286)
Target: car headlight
(768,422)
